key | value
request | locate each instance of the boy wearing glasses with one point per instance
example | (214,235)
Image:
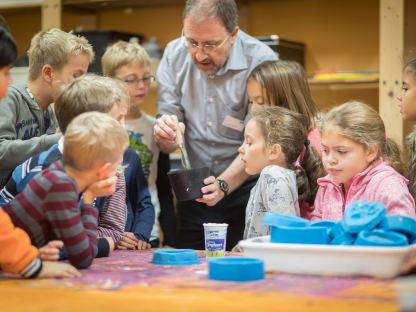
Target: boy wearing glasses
(130,63)
(202,83)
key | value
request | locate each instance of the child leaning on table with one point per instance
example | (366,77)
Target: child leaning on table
(17,255)
(273,140)
(84,94)
(48,207)
(361,162)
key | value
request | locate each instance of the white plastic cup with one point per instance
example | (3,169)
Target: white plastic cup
(215,239)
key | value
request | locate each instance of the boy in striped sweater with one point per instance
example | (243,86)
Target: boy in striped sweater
(48,208)
(85,94)
(17,255)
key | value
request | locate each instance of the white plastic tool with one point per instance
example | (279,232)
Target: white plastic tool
(181,144)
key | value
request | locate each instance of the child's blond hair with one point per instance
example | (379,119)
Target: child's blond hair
(410,68)
(287,128)
(93,139)
(54,47)
(122,53)
(86,94)
(362,124)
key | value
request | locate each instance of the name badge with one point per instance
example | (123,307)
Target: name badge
(233,123)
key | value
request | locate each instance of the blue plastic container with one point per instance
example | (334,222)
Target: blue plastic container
(344,239)
(329,224)
(380,238)
(400,224)
(362,215)
(235,269)
(299,235)
(274,219)
(175,257)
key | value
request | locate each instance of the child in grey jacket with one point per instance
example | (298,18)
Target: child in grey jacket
(27,122)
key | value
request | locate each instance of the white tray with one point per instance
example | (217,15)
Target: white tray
(382,262)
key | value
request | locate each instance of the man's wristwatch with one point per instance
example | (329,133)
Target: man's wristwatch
(223,186)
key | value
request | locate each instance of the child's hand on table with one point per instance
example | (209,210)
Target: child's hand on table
(58,269)
(50,252)
(130,241)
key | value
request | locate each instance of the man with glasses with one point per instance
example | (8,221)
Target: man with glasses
(202,83)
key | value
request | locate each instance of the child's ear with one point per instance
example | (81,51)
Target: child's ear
(47,73)
(372,153)
(275,151)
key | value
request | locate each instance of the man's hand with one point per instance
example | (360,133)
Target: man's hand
(164,132)
(212,192)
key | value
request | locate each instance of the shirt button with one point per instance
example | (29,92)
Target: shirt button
(212,144)
(216,162)
(209,123)
(210,100)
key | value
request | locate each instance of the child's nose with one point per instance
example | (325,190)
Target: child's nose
(241,150)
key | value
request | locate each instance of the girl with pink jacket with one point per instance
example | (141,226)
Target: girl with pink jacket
(361,162)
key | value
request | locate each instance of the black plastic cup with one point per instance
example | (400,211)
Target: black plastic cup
(187,183)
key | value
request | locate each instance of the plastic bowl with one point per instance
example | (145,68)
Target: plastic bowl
(175,257)
(236,269)
(187,183)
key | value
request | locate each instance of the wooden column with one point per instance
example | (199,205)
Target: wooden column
(51,14)
(397,46)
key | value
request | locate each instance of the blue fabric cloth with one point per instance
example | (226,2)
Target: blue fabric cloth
(140,211)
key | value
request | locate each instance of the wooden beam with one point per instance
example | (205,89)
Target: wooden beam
(397,46)
(51,14)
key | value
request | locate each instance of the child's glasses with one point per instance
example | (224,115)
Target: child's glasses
(147,80)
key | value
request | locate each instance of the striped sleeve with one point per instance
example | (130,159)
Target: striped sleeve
(112,217)
(75,226)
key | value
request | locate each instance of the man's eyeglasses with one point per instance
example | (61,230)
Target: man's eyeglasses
(147,80)
(206,47)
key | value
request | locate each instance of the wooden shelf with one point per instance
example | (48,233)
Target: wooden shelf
(344,84)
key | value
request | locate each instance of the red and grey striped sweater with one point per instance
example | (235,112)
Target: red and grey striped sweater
(48,208)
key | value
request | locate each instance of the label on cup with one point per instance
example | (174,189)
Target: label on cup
(215,239)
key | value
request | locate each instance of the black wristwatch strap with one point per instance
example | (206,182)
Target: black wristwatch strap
(223,186)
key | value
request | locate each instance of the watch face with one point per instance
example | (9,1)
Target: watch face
(223,185)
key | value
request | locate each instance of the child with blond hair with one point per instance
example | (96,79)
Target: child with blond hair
(27,121)
(17,255)
(362,164)
(85,94)
(48,207)
(130,63)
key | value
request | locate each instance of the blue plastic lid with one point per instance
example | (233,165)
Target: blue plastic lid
(380,238)
(175,257)
(299,235)
(344,239)
(400,224)
(337,230)
(362,215)
(273,219)
(236,269)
